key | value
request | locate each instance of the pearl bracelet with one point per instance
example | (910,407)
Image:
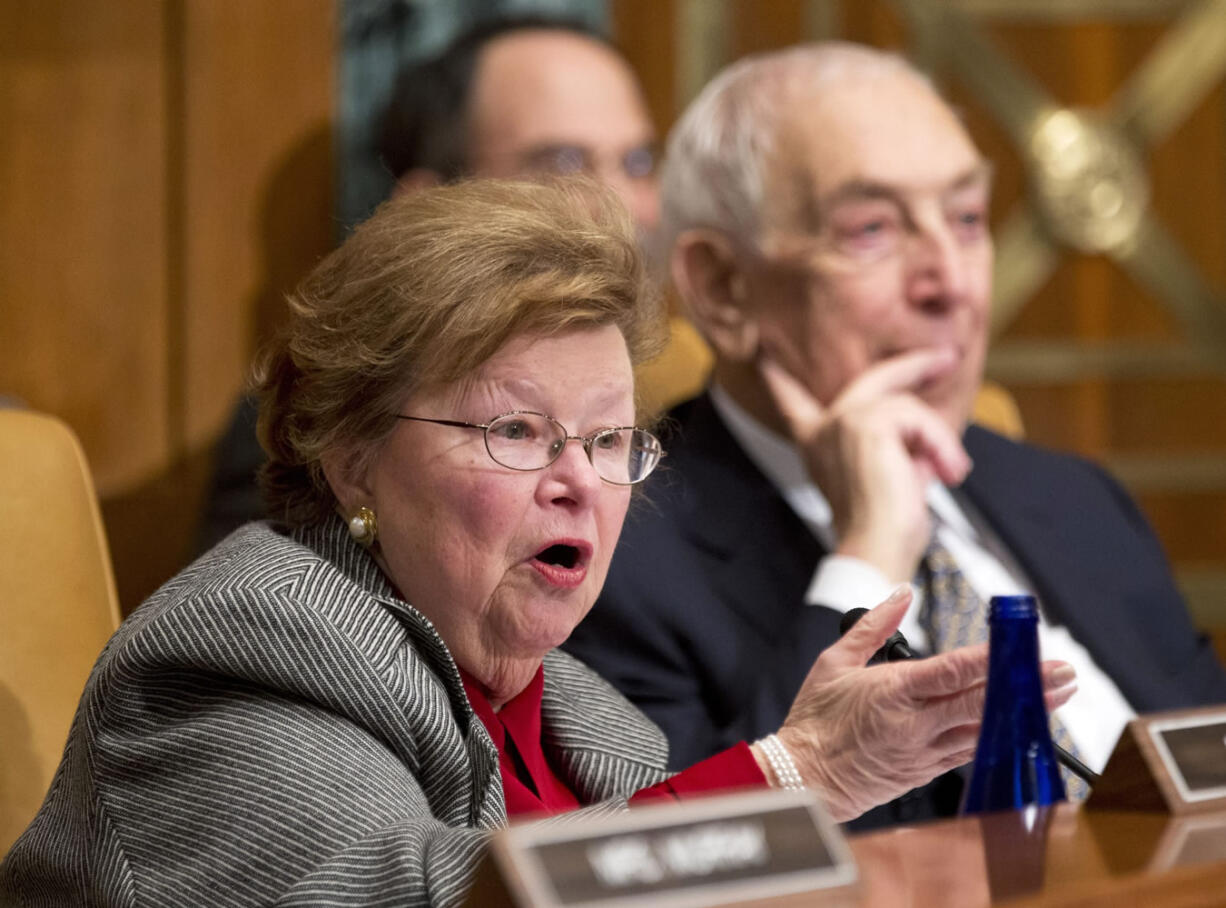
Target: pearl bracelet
(781,763)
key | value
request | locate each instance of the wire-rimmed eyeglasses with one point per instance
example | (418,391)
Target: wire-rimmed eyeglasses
(526,440)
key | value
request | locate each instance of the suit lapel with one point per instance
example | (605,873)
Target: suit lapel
(757,552)
(603,746)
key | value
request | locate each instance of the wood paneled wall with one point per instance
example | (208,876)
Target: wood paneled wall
(166,174)
(83,276)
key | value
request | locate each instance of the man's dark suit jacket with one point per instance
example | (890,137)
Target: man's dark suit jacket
(702,622)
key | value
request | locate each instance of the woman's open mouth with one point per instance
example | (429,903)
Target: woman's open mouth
(563,564)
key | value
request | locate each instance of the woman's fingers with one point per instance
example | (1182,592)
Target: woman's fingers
(1059,683)
(953,686)
(946,674)
(961,739)
(1054,699)
(954,760)
(941,714)
(1056,674)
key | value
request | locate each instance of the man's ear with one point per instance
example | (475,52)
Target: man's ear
(417,179)
(711,281)
(348,483)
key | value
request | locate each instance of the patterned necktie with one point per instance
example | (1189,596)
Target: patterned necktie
(953,615)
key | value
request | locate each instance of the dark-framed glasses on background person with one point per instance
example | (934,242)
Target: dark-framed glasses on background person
(526,440)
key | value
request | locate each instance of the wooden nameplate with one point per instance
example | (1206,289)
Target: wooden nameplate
(1172,762)
(708,851)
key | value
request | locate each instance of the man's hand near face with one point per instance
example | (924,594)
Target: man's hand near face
(872,451)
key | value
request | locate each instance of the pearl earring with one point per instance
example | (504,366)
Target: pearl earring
(363,527)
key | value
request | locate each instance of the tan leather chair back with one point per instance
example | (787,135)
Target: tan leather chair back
(996,409)
(57,604)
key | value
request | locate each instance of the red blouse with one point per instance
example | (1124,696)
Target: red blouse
(531,786)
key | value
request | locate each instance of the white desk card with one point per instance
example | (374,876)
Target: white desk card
(709,851)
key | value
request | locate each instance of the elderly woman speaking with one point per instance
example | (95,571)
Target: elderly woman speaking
(339,705)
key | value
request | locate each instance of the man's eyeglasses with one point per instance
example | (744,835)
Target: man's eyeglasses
(526,440)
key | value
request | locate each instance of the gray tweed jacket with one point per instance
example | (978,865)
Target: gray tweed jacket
(274,727)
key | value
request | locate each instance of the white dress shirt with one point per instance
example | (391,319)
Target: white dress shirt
(1098,712)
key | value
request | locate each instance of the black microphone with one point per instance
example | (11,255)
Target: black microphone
(895,649)
(892,650)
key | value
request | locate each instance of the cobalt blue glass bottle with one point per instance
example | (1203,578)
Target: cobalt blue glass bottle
(1015,763)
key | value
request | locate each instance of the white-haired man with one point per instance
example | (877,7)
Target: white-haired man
(828,220)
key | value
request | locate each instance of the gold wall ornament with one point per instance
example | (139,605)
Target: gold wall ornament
(1087,186)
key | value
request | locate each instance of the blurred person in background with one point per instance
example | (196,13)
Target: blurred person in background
(518,97)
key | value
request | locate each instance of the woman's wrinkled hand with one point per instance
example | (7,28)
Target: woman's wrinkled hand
(863,735)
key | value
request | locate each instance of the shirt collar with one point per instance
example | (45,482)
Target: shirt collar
(779,461)
(949,512)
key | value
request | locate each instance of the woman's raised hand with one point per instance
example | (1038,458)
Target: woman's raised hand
(863,735)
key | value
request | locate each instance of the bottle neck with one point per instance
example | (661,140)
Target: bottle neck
(1015,691)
